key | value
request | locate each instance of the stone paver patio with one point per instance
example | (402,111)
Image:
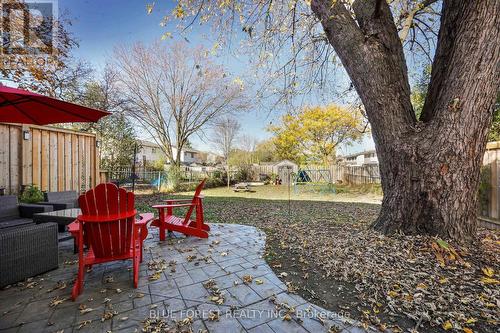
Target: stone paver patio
(182,280)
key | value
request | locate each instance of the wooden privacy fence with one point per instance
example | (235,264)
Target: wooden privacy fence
(351,174)
(54,159)
(359,174)
(489,190)
(142,174)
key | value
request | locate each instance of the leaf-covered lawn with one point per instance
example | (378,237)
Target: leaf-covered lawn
(329,255)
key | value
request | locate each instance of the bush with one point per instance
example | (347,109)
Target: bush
(31,194)
(243,174)
(174,175)
(185,187)
(214,182)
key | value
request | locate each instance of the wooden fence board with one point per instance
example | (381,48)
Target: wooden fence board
(4,156)
(14,158)
(67,161)
(53,162)
(81,163)
(87,164)
(60,162)
(36,136)
(45,142)
(74,162)
(26,160)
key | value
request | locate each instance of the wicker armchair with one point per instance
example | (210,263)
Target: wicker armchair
(26,251)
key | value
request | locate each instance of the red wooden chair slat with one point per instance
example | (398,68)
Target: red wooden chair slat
(109,229)
(167,221)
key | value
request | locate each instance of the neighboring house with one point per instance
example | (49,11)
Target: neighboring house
(150,153)
(362,158)
(214,159)
(188,155)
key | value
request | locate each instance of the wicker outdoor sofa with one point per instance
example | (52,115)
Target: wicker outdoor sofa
(26,249)
(60,200)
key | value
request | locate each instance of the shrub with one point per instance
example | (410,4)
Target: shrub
(31,194)
(243,174)
(174,175)
(214,182)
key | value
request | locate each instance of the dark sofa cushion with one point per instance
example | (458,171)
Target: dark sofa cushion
(66,197)
(14,223)
(27,210)
(8,207)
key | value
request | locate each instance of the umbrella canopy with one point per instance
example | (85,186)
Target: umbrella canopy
(21,106)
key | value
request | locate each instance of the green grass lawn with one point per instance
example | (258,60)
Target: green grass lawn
(368,194)
(223,205)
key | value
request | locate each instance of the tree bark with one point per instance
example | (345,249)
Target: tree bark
(429,167)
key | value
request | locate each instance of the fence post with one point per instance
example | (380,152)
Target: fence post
(159,180)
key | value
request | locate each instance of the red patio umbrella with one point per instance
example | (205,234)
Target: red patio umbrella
(21,106)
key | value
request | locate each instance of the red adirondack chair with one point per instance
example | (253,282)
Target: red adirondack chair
(167,220)
(109,229)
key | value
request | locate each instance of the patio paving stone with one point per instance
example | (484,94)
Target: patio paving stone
(264,328)
(244,294)
(230,252)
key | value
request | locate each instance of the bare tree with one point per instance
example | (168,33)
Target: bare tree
(174,91)
(224,133)
(248,144)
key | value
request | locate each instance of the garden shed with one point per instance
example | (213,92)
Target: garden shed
(282,168)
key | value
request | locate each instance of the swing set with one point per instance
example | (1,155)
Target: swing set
(313,180)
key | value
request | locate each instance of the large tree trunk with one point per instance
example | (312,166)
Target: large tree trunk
(429,168)
(430,184)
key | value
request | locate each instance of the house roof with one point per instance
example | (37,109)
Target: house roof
(360,153)
(286,162)
(278,162)
(147,143)
(154,145)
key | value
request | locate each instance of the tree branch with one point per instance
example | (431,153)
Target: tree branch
(372,54)
(408,22)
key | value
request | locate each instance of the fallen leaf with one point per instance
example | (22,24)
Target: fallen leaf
(86,310)
(213,316)
(447,325)
(487,280)
(488,271)
(83,324)
(56,301)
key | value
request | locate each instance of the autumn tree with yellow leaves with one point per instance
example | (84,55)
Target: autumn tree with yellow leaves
(315,132)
